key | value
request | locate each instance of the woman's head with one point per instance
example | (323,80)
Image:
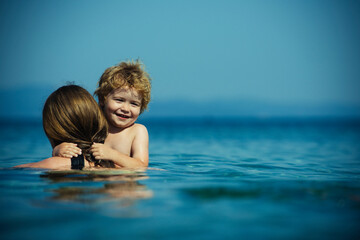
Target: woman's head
(71,114)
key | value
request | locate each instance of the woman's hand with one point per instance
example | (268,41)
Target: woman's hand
(67,150)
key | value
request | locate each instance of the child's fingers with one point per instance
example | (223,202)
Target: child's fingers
(68,155)
(96,144)
(72,149)
(68,144)
(96,154)
(66,149)
(96,147)
(75,150)
(70,152)
(92,149)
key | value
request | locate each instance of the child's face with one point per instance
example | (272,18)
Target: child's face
(122,107)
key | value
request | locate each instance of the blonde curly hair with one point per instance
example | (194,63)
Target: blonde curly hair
(130,74)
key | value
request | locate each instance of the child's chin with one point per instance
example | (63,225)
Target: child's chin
(125,125)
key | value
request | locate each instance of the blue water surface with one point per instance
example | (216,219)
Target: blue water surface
(208,179)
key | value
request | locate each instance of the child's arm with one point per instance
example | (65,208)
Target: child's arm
(139,151)
(67,150)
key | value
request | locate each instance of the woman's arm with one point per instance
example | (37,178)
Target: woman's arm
(49,163)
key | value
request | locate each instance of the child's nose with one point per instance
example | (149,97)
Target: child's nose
(125,107)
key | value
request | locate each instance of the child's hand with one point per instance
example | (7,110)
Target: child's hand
(67,150)
(101,151)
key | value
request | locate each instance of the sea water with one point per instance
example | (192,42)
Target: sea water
(207,179)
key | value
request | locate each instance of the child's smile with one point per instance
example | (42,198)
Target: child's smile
(122,108)
(122,116)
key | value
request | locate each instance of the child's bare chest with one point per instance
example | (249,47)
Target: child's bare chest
(121,142)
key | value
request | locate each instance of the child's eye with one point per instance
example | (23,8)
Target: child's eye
(135,104)
(119,100)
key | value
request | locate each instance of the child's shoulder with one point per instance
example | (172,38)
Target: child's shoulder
(138,128)
(129,133)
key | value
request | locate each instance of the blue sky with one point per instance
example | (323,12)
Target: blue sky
(205,57)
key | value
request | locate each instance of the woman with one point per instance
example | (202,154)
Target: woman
(71,114)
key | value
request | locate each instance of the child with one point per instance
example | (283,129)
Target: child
(124,93)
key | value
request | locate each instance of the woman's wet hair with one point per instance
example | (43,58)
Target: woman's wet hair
(71,114)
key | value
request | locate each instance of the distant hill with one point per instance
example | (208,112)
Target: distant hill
(28,103)
(249,108)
